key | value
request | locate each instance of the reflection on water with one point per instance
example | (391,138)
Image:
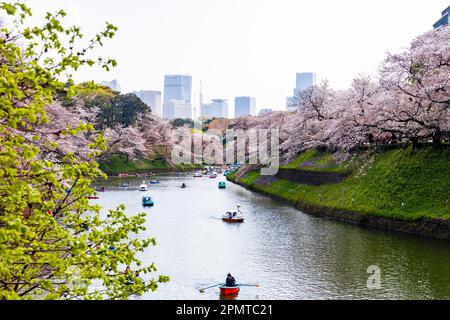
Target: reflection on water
(290,254)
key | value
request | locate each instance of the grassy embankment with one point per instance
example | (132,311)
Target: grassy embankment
(118,164)
(405,184)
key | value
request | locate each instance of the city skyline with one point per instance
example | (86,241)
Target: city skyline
(251,48)
(215,108)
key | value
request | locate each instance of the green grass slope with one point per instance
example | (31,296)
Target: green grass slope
(402,183)
(117,164)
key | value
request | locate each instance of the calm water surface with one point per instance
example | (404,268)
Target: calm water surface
(290,254)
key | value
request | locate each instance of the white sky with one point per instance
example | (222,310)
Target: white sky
(246,47)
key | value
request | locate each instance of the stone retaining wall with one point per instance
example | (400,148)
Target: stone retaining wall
(310,177)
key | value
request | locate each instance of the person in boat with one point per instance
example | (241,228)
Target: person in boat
(230,281)
(183,185)
(234,214)
(239,212)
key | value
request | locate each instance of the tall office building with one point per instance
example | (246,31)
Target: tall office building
(217,108)
(177,96)
(177,109)
(113,84)
(244,106)
(303,81)
(444,20)
(152,98)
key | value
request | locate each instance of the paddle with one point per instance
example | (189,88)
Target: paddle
(247,285)
(216,285)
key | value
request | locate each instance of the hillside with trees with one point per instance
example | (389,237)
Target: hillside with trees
(389,134)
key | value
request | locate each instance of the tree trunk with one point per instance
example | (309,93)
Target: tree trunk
(437,139)
(415,142)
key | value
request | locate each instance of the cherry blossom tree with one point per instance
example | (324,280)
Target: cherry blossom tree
(68,132)
(125,141)
(156,133)
(354,115)
(309,126)
(409,103)
(417,84)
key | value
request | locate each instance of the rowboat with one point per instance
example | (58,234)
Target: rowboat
(226,291)
(93,197)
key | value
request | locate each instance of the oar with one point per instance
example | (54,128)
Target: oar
(248,285)
(216,285)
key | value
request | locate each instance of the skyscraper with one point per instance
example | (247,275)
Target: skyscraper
(303,81)
(113,84)
(177,109)
(444,20)
(177,87)
(244,106)
(217,108)
(177,96)
(153,99)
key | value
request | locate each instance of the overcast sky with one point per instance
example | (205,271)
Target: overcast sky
(247,47)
